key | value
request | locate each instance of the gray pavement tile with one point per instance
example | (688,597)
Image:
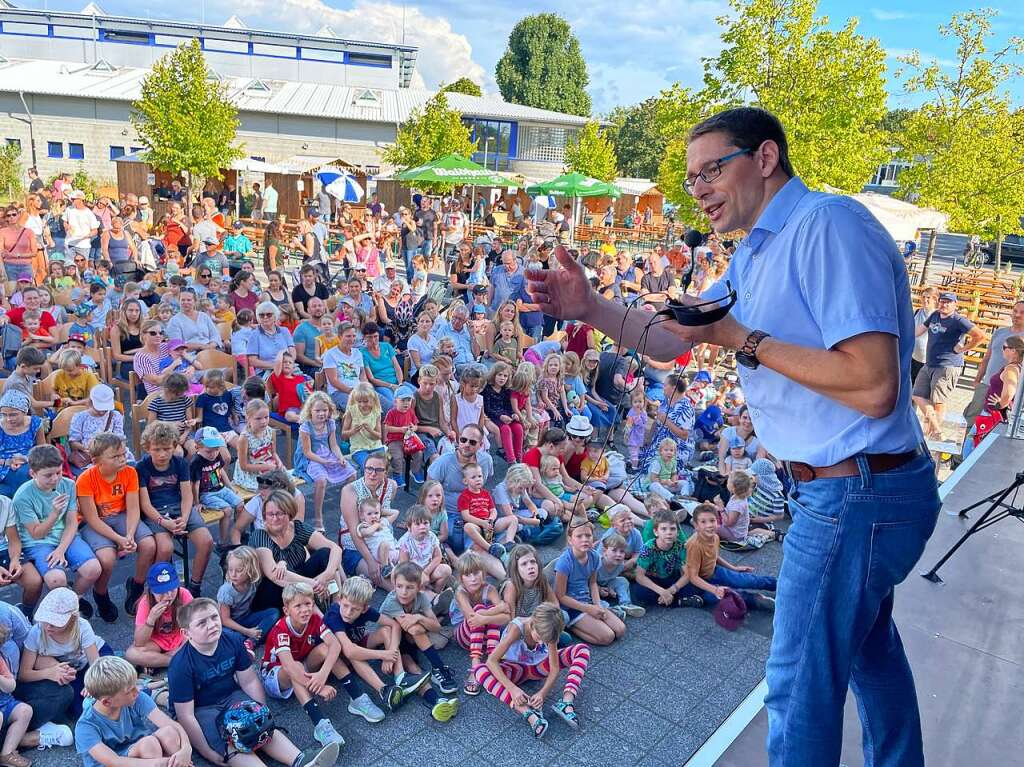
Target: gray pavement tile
(432,748)
(616,674)
(518,747)
(667,698)
(675,748)
(592,743)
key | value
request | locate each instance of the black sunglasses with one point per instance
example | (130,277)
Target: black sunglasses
(468,441)
(154,333)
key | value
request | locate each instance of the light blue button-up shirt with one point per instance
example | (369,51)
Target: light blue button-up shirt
(815,270)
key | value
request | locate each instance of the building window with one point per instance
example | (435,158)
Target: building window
(495,142)
(137,149)
(54,150)
(543,144)
(367,60)
(76,151)
(116,151)
(887,174)
(14,142)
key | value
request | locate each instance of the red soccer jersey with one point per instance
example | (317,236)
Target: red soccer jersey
(478,505)
(281,637)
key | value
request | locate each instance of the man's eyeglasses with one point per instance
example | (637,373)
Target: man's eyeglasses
(712,170)
(205,276)
(468,441)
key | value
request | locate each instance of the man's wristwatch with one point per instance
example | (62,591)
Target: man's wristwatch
(746,355)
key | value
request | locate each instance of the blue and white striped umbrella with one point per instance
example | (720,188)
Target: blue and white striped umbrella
(345,188)
(328,173)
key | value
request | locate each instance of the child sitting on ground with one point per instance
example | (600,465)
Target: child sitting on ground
(707,574)
(576,588)
(768,503)
(157,634)
(594,469)
(15,715)
(421,546)
(375,529)
(480,515)
(44,508)
(735,525)
(737,460)
(167,501)
(242,576)
(580,503)
(610,581)
(477,614)
(124,723)
(298,658)
(526,652)
(214,672)
(413,611)
(660,577)
(623,525)
(655,503)
(512,497)
(663,475)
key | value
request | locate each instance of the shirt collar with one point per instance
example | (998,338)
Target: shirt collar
(775,215)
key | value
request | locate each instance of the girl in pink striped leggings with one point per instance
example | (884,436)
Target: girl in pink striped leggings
(477,614)
(528,650)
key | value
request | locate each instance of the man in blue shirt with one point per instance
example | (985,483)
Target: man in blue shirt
(465,345)
(824,331)
(950,334)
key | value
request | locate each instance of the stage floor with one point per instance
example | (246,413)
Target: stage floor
(963,637)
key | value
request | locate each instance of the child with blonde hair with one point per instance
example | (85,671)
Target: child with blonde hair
(528,650)
(257,451)
(735,526)
(320,456)
(73,382)
(663,475)
(636,426)
(513,498)
(521,393)
(576,587)
(551,390)
(375,529)
(242,576)
(15,715)
(361,425)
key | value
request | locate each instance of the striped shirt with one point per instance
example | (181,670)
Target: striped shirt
(174,411)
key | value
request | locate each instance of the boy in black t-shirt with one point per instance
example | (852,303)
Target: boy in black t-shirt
(210,483)
(210,673)
(166,498)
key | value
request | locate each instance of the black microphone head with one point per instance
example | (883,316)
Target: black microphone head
(693,238)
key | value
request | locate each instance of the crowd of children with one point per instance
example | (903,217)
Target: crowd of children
(202,676)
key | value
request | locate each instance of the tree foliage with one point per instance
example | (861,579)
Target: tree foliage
(639,143)
(10,171)
(432,132)
(184,118)
(827,87)
(543,67)
(462,85)
(591,153)
(964,145)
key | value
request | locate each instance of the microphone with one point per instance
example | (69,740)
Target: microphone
(705,312)
(693,238)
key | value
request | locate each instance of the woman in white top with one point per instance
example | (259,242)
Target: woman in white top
(420,345)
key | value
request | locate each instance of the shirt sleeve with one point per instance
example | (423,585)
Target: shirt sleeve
(131,479)
(463,502)
(644,560)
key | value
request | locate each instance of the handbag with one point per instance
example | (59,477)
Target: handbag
(412,444)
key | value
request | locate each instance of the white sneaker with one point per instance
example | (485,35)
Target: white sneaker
(634,611)
(366,708)
(325,734)
(51,735)
(324,757)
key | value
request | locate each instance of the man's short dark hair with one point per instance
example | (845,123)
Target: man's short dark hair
(748,128)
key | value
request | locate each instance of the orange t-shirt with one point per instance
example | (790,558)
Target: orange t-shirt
(109,497)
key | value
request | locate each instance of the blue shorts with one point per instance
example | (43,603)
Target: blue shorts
(225,498)
(7,705)
(119,524)
(78,553)
(350,559)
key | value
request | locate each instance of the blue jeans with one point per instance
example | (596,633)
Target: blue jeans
(264,620)
(387,398)
(541,535)
(620,586)
(852,540)
(14,479)
(407,257)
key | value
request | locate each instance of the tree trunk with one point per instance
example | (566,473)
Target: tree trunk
(928,256)
(999,244)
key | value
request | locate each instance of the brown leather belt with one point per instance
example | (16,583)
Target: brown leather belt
(877,462)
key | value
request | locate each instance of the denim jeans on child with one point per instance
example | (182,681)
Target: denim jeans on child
(852,540)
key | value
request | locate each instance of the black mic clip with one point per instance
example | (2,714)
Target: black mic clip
(703,313)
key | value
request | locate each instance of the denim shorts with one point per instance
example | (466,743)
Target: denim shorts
(225,498)
(194,521)
(118,523)
(78,553)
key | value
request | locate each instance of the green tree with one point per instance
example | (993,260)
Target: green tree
(638,141)
(591,153)
(462,85)
(184,117)
(10,171)
(964,144)
(827,87)
(543,67)
(432,132)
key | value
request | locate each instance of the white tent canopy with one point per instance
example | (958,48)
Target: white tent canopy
(902,220)
(248,165)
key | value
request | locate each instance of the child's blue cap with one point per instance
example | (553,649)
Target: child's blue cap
(85,309)
(161,578)
(702,376)
(735,442)
(405,391)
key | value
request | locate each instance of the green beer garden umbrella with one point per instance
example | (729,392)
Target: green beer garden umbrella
(576,185)
(454,169)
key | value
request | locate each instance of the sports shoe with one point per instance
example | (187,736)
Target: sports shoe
(133,593)
(633,611)
(617,611)
(84,608)
(324,757)
(690,601)
(51,735)
(442,679)
(471,686)
(442,602)
(593,515)
(410,684)
(325,734)
(417,478)
(366,708)
(385,572)
(105,607)
(391,696)
(496,550)
(445,709)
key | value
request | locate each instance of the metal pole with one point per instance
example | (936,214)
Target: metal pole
(31,128)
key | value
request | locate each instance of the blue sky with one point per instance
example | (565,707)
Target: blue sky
(633,49)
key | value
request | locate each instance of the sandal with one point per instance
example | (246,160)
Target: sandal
(14,759)
(566,711)
(540,724)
